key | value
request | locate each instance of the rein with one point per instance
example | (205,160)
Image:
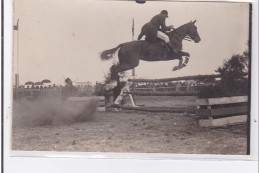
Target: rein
(183,34)
(187,38)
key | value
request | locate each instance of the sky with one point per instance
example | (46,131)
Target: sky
(57,39)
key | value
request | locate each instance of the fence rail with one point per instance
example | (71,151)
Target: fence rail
(33,93)
(177,78)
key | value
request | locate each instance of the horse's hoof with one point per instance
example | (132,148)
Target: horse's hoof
(175,68)
(116,110)
(118,101)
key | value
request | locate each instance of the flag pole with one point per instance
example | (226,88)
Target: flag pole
(17,46)
(16,27)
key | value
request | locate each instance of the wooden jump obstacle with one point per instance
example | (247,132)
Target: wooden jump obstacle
(161,93)
(212,112)
(216,112)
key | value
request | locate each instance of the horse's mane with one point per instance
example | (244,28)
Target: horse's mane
(182,27)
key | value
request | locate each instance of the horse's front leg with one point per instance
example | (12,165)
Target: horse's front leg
(187,58)
(181,63)
(186,54)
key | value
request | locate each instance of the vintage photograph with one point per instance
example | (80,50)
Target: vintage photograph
(125,77)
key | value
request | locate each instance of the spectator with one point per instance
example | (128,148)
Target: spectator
(69,89)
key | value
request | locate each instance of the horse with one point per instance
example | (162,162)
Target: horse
(130,53)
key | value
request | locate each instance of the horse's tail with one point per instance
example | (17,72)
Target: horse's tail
(108,54)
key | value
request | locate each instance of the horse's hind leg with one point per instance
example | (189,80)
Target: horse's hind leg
(114,70)
(114,78)
(126,63)
(114,73)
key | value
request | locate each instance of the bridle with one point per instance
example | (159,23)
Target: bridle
(187,38)
(183,34)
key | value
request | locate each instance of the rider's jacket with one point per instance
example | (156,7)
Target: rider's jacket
(151,28)
(159,21)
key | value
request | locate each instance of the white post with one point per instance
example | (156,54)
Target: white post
(133,33)
(133,70)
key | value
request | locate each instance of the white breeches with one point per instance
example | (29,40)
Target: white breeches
(163,36)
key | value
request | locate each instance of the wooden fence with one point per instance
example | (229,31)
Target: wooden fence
(215,112)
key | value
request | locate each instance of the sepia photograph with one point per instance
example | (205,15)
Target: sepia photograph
(160,77)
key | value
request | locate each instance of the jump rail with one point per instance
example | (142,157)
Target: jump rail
(158,109)
(176,78)
(157,93)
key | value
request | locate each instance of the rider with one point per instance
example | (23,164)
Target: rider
(157,28)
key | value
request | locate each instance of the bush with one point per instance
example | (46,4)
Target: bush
(234,78)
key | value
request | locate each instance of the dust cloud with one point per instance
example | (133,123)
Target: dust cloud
(52,111)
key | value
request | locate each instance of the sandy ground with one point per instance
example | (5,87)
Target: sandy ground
(130,131)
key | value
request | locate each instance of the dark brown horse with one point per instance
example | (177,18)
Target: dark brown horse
(131,53)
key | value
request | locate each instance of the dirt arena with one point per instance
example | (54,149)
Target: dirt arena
(124,131)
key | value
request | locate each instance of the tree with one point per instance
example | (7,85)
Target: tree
(234,78)
(234,74)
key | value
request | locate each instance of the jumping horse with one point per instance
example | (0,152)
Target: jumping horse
(131,53)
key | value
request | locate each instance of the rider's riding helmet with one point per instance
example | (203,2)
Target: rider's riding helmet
(165,12)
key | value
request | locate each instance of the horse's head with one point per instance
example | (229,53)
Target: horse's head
(189,30)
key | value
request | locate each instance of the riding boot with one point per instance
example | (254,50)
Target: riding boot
(167,46)
(170,45)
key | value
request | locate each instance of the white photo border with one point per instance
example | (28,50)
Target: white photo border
(22,161)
